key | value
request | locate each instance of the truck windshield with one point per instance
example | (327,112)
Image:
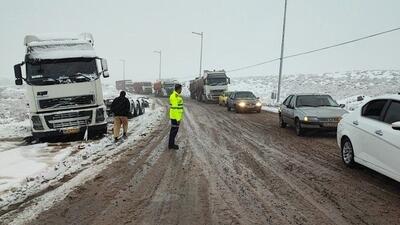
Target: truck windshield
(48,72)
(215,81)
(315,101)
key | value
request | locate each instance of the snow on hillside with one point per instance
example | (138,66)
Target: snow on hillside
(341,85)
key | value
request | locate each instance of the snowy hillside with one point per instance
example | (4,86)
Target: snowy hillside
(340,85)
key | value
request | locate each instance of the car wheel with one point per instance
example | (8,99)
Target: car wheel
(282,123)
(348,153)
(299,130)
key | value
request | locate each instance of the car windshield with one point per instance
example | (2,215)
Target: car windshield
(48,72)
(315,101)
(245,95)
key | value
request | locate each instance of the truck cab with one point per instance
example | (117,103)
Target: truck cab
(63,85)
(215,84)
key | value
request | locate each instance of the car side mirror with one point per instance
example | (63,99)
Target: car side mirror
(342,105)
(18,74)
(258,98)
(104,66)
(396,125)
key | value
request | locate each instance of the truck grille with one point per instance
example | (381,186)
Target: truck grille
(66,101)
(70,119)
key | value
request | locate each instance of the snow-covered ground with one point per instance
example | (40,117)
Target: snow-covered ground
(29,169)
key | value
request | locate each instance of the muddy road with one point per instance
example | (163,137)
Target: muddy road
(231,169)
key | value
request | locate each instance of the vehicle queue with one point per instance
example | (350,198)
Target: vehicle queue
(369,135)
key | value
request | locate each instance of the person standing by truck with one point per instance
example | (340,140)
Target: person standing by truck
(175,114)
(120,107)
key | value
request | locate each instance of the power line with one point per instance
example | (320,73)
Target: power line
(316,50)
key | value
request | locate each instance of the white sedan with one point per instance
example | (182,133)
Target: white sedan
(370,135)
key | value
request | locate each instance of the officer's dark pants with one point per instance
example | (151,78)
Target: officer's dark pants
(173,132)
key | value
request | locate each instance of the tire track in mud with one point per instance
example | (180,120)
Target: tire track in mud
(337,206)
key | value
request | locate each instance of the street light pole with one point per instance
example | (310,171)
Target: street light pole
(201,34)
(282,51)
(123,72)
(159,66)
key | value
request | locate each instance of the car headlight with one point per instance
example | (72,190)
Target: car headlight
(310,119)
(258,104)
(242,104)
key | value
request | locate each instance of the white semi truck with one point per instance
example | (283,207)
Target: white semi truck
(63,87)
(210,86)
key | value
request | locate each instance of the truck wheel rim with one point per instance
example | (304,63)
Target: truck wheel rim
(347,152)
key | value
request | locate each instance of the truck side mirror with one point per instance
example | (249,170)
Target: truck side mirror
(18,74)
(229,80)
(104,66)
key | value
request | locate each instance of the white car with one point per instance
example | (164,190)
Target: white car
(370,135)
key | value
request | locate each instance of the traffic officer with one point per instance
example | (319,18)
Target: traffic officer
(175,114)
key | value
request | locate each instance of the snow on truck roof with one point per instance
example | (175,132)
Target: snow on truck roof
(88,37)
(60,47)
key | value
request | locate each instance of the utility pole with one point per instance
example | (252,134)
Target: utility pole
(282,52)
(123,72)
(159,66)
(201,34)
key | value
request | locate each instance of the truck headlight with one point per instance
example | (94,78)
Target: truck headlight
(100,117)
(37,123)
(242,104)
(258,104)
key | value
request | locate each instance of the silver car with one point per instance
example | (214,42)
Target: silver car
(310,111)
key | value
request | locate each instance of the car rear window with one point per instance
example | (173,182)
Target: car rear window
(373,109)
(393,113)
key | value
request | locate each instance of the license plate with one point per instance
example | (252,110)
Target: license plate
(71,130)
(330,124)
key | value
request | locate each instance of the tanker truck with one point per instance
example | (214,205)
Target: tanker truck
(209,86)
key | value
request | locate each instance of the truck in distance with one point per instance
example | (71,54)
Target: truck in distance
(164,88)
(63,86)
(143,88)
(124,85)
(210,86)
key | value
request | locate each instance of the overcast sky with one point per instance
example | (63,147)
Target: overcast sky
(236,33)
